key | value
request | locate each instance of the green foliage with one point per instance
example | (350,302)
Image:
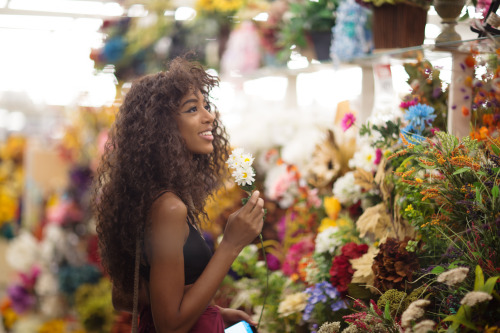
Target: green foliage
(306,16)
(389,134)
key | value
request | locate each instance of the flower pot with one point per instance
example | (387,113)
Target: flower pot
(321,41)
(400,25)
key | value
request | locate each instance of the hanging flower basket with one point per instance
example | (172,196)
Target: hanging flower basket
(400,25)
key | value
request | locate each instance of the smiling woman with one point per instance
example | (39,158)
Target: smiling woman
(164,158)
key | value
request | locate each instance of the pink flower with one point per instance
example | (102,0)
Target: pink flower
(296,252)
(348,121)
(378,156)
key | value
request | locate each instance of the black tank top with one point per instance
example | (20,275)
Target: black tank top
(197,254)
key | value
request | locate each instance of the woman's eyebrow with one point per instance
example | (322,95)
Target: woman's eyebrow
(192,100)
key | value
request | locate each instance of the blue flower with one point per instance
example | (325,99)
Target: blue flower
(419,116)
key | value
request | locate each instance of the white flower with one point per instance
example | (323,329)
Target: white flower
(475,297)
(364,159)
(414,311)
(293,303)
(244,176)
(239,159)
(327,241)
(453,276)
(47,283)
(22,252)
(241,164)
(424,326)
(345,190)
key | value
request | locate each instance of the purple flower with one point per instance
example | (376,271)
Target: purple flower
(272,262)
(22,299)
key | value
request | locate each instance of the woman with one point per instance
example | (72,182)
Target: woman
(165,155)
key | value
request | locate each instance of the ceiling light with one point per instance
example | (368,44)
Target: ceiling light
(68,6)
(184,13)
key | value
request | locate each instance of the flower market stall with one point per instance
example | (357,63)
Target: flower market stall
(378,221)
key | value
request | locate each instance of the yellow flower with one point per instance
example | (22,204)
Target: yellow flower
(418,180)
(332,207)
(326,223)
(53,326)
(409,208)
(8,206)
(9,318)
(493,329)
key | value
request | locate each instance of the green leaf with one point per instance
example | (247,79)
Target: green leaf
(248,188)
(437,270)
(496,150)
(495,191)
(490,284)
(479,281)
(461,170)
(479,197)
(387,311)
(461,318)
(482,173)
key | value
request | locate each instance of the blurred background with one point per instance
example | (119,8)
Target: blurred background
(289,71)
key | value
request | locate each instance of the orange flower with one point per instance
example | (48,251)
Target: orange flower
(465,111)
(483,132)
(488,119)
(470,61)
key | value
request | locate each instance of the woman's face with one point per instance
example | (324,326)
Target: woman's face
(195,122)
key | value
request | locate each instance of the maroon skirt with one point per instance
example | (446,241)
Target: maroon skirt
(210,321)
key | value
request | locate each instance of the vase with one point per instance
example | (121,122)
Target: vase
(321,41)
(397,26)
(448,11)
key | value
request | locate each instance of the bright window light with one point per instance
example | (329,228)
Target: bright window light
(137,11)
(184,14)
(270,88)
(3,3)
(68,6)
(262,17)
(32,22)
(16,121)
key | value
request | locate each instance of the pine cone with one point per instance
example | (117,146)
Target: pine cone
(393,265)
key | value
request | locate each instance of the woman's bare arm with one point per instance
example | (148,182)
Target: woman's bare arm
(173,308)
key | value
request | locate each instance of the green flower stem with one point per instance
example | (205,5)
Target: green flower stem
(267,280)
(244,201)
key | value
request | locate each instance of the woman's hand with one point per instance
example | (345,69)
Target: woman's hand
(244,225)
(232,316)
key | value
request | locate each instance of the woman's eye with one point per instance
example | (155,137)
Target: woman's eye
(193,109)
(208,108)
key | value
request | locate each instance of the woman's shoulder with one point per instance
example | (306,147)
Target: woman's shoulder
(168,205)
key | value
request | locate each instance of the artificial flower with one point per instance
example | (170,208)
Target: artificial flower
(424,326)
(330,327)
(322,292)
(341,271)
(347,121)
(327,240)
(453,276)
(362,266)
(345,189)
(376,222)
(295,254)
(23,252)
(293,303)
(414,312)
(393,266)
(475,297)
(364,158)
(332,207)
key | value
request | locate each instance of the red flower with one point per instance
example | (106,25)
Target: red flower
(341,271)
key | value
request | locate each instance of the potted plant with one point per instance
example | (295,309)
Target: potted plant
(308,23)
(398,23)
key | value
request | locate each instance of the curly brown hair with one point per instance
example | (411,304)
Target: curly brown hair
(146,155)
